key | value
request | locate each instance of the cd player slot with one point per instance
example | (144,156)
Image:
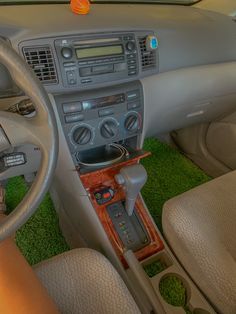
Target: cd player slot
(96,41)
(99,69)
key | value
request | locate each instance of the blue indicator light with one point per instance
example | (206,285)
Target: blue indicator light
(154,43)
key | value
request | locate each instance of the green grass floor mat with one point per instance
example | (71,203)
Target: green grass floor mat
(40,238)
(170,173)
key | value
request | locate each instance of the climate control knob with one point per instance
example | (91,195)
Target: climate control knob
(109,128)
(82,135)
(132,122)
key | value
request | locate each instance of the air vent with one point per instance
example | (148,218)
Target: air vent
(148,58)
(41,61)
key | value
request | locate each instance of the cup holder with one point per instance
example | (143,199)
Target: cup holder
(102,156)
(175,291)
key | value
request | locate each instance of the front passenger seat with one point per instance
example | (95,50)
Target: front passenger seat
(200,226)
(84,281)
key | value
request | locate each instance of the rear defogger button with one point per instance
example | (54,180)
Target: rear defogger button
(72,107)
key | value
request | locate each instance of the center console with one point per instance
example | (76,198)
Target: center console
(102,128)
(93,120)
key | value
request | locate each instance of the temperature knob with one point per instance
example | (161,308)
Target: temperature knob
(132,122)
(109,129)
(82,135)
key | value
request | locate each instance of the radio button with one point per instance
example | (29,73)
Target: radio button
(105,112)
(132,94)
(69,64)
(84,81)
(71,77)
(133,105)
(74,118)
(133,72)
(118,67)
(131,61)
(72,107)
(131,56)
(85,71)
(83,63)
(128,38)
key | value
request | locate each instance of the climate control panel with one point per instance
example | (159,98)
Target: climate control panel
(95,118)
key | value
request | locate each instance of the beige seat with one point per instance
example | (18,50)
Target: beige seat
(200,226)
(84,281)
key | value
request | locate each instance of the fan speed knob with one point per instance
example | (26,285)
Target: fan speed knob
(82,135)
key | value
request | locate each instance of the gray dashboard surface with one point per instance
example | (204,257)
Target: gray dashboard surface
(188,36)
(199,41)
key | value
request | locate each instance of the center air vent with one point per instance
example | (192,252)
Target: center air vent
(42,62)
(148,58)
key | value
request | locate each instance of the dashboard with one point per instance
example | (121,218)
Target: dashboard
(187,36)
(177,62)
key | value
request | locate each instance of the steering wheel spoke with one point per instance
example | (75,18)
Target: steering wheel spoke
(20,130)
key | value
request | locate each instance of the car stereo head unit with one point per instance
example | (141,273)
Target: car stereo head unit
(94,60)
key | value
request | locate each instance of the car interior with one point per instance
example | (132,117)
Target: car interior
(118,152)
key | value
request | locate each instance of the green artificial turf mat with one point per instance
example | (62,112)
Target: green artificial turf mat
(154,268)
(40,238)
(170,173)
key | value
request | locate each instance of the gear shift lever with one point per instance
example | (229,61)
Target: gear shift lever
(132,178)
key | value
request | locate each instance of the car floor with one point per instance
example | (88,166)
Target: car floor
(170,173)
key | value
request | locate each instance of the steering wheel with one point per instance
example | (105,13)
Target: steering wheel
(16,130)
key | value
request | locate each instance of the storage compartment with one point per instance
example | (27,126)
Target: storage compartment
(175,290)
(157,264)
(105,156)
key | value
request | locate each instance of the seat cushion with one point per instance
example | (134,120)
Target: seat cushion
(84,281)
(200,226)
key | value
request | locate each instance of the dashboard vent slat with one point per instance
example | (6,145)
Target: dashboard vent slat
(41,60)
(148,58)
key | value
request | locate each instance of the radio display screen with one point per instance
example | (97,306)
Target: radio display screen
(98,51)
(103,102)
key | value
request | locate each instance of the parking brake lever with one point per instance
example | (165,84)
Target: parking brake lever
(132,178)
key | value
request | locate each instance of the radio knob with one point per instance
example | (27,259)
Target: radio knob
(130,46)
(109,129)
(132,122)
(82,135)
(66,52)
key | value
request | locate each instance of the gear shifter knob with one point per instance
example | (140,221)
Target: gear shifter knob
(132,178)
